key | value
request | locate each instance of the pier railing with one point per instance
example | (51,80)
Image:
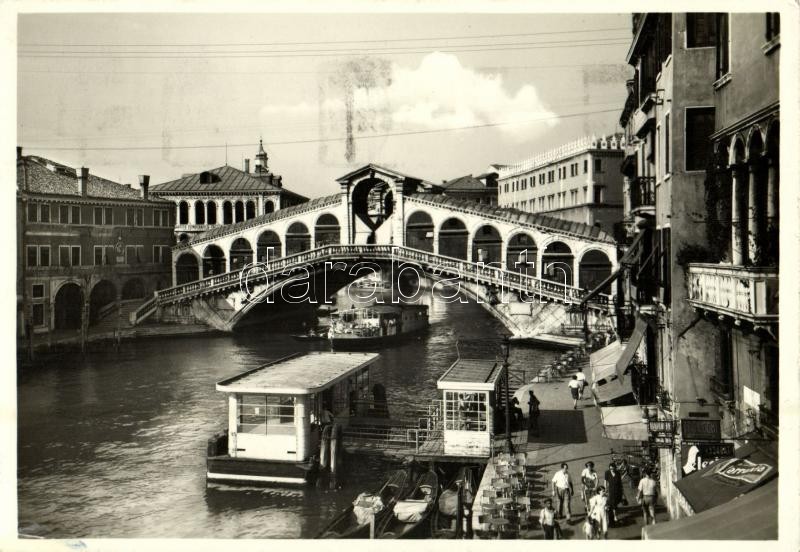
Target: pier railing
(438,265)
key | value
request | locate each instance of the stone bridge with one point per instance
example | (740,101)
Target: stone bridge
(503,257)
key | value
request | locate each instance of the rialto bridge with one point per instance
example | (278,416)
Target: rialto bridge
(503,257)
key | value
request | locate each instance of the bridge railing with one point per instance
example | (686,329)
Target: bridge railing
(439,264)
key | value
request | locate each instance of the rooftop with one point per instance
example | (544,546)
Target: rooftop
(467,183)
(298,374)
(565,151)
(47,177)
(469,374)
(224,179)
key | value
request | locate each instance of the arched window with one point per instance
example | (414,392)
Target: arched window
(211,212)
(241,254)
(199,213)
(269,206)
(419,231)
(250,210)
(327,231)
(227,213)
(453,238)
(239,211)
(183,213)
(297,238)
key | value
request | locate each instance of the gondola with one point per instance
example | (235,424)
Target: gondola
(321,336)
(347,524)
(444,517)
(410,518)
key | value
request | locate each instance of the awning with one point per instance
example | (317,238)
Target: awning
(726,479)
(624,422)
(603,362)
(753,516)
(630,257)
(631,347)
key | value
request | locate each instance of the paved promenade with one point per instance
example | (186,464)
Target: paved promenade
(575,437)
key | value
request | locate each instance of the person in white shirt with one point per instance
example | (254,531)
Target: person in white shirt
(647,495)
(574,386)
(562,488)
(582,380)
(598,511)
(547,519)
(589,480)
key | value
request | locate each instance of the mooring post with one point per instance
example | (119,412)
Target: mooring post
(372,525)
(459,510)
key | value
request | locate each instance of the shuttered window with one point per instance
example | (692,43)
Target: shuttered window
(701,30)
(699,126)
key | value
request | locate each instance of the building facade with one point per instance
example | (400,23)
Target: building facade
(225,195)
(699,293)
(86,245)
(480,189)
(579,181)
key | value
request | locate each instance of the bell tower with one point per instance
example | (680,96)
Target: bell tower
(260,165)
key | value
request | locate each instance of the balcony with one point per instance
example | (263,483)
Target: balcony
(720,388)
(643,193)
(743,293)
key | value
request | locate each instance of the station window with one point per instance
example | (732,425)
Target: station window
(598,165)
(37,315)
(465,411)
(32,255)
(76,214)
(37,291)
(266,414)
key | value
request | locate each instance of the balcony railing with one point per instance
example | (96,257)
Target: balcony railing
(720,388)
(643,192)
(749,293)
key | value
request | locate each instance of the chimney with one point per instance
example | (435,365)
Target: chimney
(247,166)
(144,184)
(278,181)
(83,181)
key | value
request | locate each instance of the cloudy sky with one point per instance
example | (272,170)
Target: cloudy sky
(434,96)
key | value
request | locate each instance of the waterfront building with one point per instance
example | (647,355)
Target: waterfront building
(225,195)
(481,188)
(87,246)
(698,292)
(578,181)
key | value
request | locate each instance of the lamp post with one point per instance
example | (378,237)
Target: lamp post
(506,346)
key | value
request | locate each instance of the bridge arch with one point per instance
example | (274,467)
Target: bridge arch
(419,231)
(558,263)
(183,213)
(268,246)
(594,266)
(298,239)
(133,289)
(187,268)
(199,212)
(487,245)
(213,261)
(241,253)
(68,307)
(227,212)
(103,294)
(453,238)
(521,253)
(327,230)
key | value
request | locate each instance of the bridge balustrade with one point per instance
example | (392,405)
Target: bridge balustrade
(492,275)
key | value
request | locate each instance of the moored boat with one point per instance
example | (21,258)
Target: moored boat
(376,324)
(445,515)
(354,522)
(410,518)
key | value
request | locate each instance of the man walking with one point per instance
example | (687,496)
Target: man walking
(562,488)
(581,377)
(574,386)
(647,495)
(533,413)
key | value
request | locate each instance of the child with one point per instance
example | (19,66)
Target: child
(547,519)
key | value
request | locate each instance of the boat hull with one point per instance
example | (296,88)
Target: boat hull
(248,471)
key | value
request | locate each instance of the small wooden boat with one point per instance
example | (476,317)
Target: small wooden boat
(321,335)
(410,518)
(443,520)
(351,524)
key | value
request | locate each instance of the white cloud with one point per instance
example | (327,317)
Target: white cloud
(440,93)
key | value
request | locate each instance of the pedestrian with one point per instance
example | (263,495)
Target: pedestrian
(516,413)
(563,489)
(589,481)
(598,511)
(582,380)
(574,385)
(647,495)
(533,413)
(547,519)
(613,485)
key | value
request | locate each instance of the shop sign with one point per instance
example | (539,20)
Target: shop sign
(661,432)
(697,457)
(700,430)
(741,471)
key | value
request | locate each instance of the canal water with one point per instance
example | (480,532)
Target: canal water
(112,444)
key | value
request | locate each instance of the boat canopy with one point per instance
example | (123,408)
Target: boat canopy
(471,374)
(298,374)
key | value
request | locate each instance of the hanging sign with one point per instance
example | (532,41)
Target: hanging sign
(694,429)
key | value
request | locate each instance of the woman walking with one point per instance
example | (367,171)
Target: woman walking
(589,481)
(598,512)
(613,483)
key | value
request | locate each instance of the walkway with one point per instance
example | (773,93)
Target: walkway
(575,437)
